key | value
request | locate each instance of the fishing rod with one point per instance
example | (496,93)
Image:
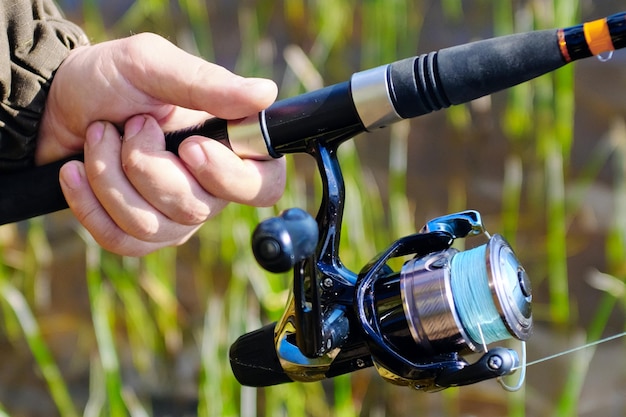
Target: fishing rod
(415,324)
(372,99)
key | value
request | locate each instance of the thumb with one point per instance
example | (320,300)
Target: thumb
(163,71)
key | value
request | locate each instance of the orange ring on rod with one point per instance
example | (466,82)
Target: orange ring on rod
(598,36)
(563,45)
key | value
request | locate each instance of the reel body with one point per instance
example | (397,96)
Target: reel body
(414,325)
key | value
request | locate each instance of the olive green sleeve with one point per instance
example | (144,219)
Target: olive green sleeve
(34,40)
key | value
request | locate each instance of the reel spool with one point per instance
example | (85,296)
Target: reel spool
(444,304)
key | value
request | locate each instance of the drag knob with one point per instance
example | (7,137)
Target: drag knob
(279,242)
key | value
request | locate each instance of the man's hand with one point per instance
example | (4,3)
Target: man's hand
(132,195)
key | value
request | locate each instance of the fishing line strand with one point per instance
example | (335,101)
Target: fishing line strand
(573,350)
(522,377)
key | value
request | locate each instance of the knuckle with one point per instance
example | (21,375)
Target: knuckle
(191,213)
(110,238)
(113,242)
(274,186)
(122,243)
(272,195)
(185,216)
(199,75)
(138,43)
(194,217)
(133,164)
(144,228)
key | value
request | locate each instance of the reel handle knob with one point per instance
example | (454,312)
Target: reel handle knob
(279,242)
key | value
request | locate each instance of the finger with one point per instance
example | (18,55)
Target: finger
(171,75)
(161,178)
(226,176)
(126,207)
(94,218)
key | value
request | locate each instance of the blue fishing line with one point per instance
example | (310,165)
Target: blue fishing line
(473,299)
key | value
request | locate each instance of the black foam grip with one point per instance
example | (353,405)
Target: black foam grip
(36,191)
(476,69)
(254,361)
(462,73)
(213,128)
(31,192)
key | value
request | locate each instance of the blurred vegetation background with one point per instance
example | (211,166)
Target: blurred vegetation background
(84,332)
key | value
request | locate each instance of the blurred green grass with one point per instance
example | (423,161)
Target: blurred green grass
(157,329)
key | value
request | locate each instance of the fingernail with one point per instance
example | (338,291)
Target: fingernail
(193,154)
(134,126)
(94,133)
(71,175)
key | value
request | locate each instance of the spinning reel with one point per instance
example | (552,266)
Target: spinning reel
(413,325)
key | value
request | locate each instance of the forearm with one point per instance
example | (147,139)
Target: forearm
(34,40)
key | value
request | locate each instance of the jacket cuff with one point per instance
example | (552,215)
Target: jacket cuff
(38,40)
